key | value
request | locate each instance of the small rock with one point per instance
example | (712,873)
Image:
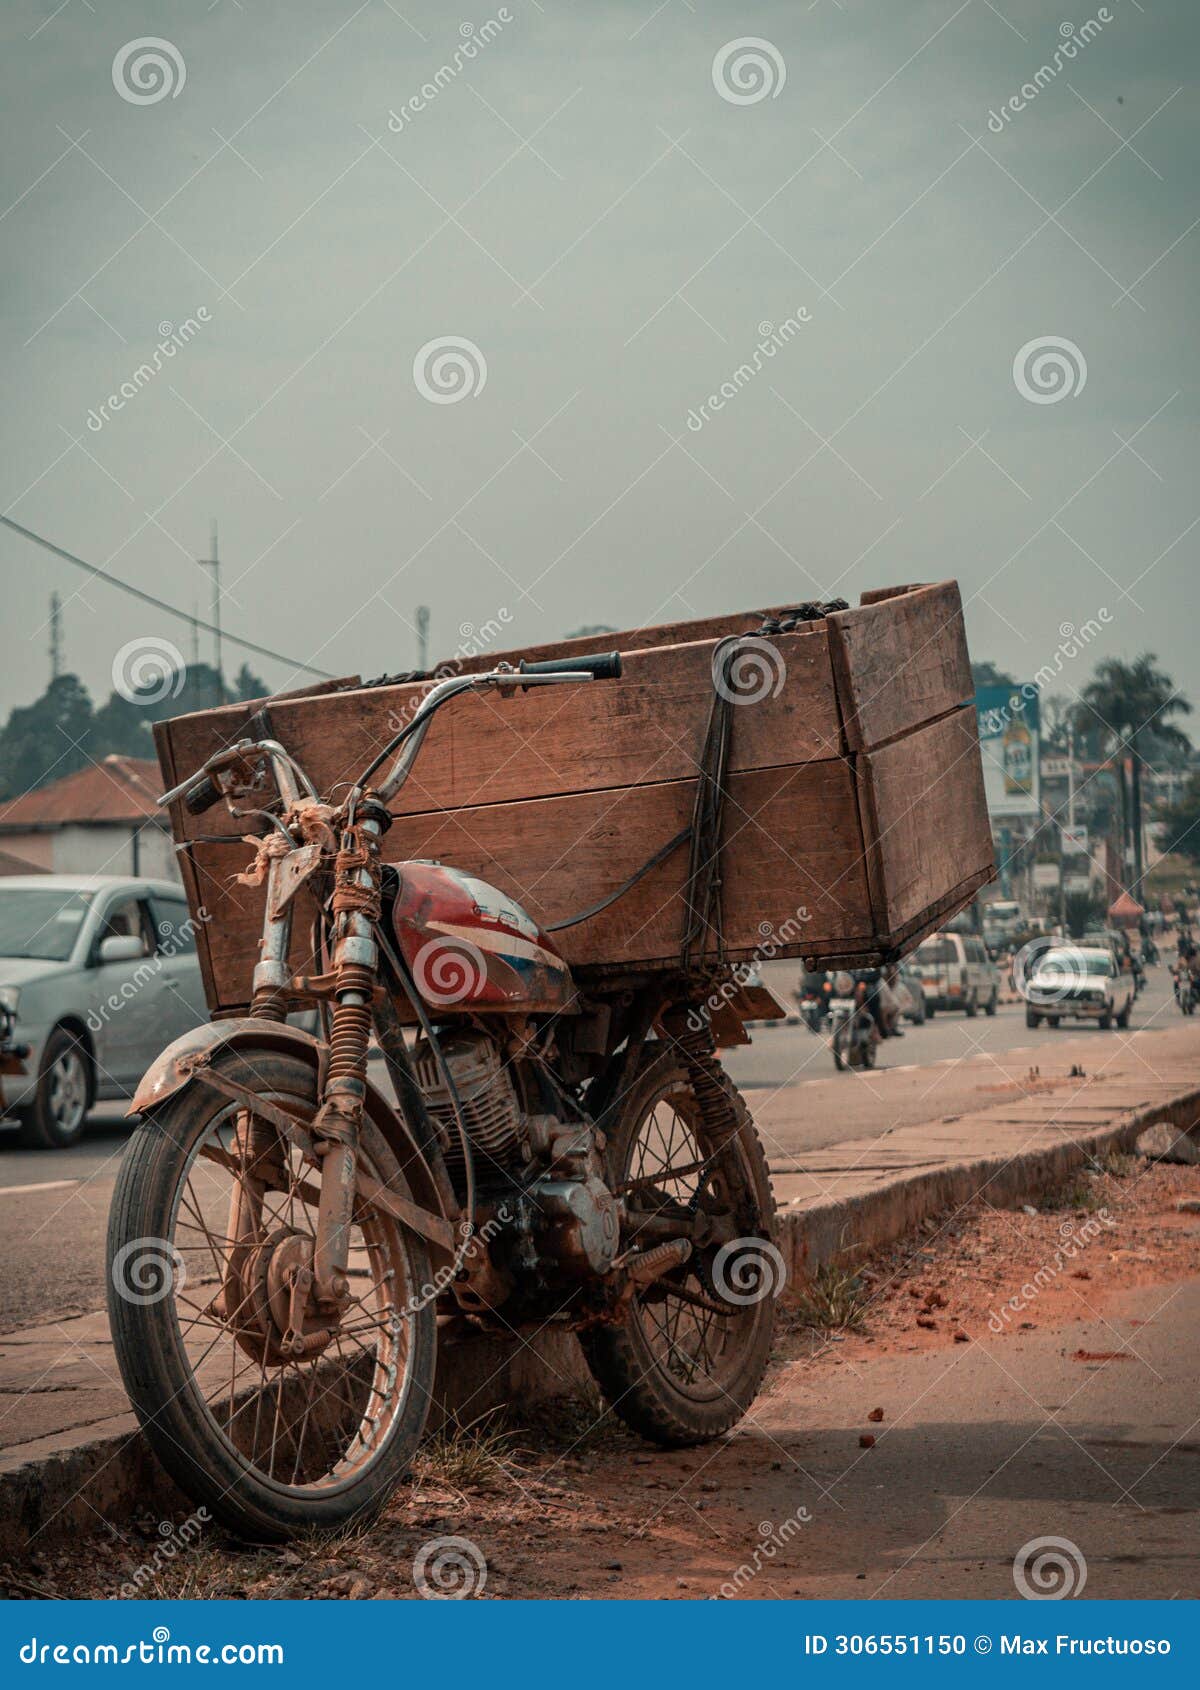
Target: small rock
(1028,1209)
(613,1566)
(960,1337)
(876,1415)
(867,1440)
(709,1485)
(936,1300)
(1081,1273)
(927,1321)
(1188,1205)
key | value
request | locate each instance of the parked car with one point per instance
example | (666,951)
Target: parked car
(97,974)
(1083,982)
(911,992)
(957,973)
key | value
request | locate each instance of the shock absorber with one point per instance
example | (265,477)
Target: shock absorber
(693,1040)
(355,907)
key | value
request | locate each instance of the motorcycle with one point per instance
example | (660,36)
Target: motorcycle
(283,1239)
(855,1035)
(814,1004)
(1185,988)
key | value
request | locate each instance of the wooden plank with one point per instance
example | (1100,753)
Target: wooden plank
(900,661)
(930,830)
(646,728)
(792,861)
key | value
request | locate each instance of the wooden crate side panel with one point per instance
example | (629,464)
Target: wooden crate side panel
(932,834)
(900,661)
(647,728)
(792,862)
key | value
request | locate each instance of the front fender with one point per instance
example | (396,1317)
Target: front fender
(172,1067)
(175,1066)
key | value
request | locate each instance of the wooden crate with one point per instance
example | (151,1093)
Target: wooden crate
(854,819)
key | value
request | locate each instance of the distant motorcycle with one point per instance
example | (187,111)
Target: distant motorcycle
(814,1006)
(1185,988)
(854,1033)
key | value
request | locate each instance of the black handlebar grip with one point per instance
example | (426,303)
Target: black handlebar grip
(606,667)
(202,796)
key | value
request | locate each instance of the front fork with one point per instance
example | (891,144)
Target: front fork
(338,1122)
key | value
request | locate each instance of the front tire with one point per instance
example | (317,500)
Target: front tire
(675,1374)
(989,1007)
(56,1118)
(270,1444)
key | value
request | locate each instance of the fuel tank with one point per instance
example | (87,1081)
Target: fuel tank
(472,948)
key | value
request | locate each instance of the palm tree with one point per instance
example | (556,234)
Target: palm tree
(1131,704)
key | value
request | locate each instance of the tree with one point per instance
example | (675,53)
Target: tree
(986,674)
(47,739)
(247,685)
(1132,704)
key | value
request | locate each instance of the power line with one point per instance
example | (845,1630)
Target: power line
(161,604)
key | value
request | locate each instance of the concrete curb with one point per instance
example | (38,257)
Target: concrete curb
(81,1481)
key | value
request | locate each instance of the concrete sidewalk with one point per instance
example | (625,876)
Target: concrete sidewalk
(71,1458)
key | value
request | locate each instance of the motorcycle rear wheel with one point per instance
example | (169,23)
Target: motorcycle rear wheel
(675,1373)
(270,1444)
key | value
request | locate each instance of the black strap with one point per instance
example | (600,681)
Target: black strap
(660,856)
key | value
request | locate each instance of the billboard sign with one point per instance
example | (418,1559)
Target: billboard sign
(1075,842)
(1010,743)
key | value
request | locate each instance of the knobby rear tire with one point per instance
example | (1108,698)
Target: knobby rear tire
(638,1388)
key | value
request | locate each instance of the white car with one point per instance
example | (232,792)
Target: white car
(97,974)
(956,973)
(1080,981)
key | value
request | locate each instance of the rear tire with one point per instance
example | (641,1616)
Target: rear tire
(1032,1018)
(687,1395)
(989,1007)
(972,1007)
(56,1118)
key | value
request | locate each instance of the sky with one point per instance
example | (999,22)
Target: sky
(457,348)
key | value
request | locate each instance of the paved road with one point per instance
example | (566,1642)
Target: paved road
(947,1067)
(54,1204)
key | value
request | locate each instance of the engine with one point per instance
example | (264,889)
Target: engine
(547,1215)
(491,1110)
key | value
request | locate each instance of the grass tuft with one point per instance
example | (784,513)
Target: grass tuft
(835,1300)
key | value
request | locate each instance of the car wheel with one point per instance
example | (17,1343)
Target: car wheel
(989,1007)
(972,1007)
(1053,1020)
(55,1119)
(1032,1018)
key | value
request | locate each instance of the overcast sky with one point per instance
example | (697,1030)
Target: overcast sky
(612,234)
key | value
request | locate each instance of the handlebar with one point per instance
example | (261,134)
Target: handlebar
(202,796)
(200,791)
(604,667)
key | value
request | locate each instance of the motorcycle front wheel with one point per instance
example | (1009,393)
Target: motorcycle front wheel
(272,1443)
(688,1360)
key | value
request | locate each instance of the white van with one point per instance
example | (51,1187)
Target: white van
(957,973)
